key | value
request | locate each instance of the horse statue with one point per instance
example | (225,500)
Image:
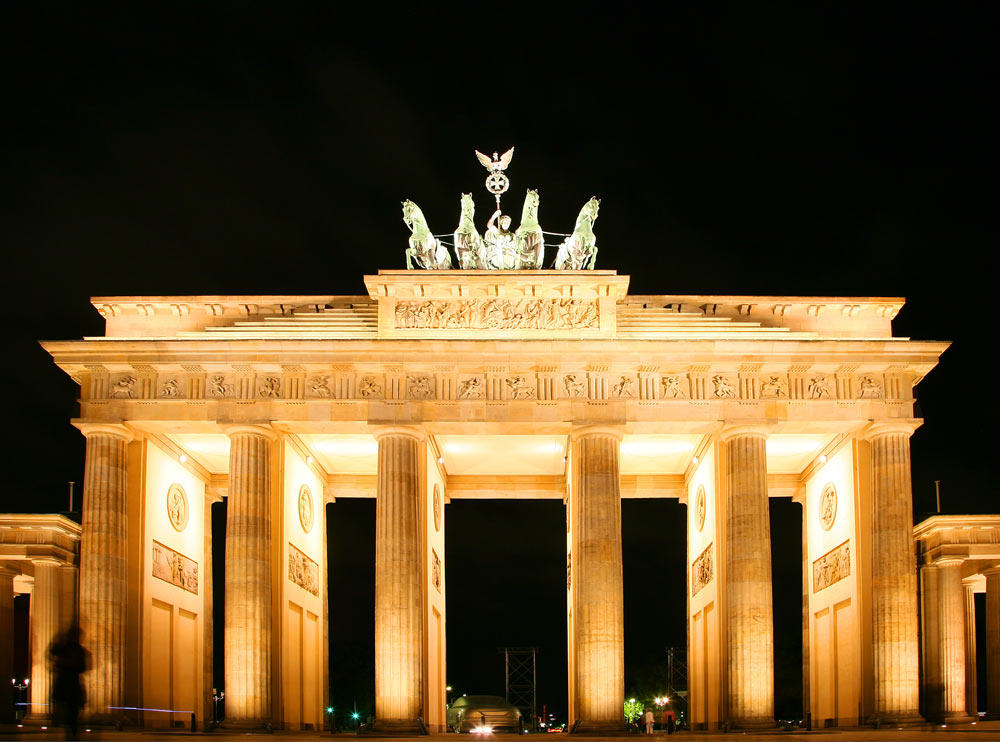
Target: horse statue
(425,250)
(468,242)
(579,250)
(530,241)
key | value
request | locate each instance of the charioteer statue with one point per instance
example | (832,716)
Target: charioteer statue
(499,248)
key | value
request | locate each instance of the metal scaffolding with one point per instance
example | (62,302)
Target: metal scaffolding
(519,668)
(677,674)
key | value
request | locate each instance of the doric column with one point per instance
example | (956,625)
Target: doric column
(597,576)
(952,622)
(894,575)
(749,612)
(103,589)
(399,646)
(931,604)
(45,625)
(971,682)
(248,577)
(993,643)
(6,643)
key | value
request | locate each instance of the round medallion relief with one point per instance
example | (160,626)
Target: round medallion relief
(828,506)
(177,507)
(437,508)
(306,508)
(699,508)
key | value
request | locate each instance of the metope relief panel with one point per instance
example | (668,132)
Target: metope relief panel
(702,570)
(521,386)
(173,567)
(773,386)
(123,387)
(420,386)
(832,567)
(624,387)
(318,387)
(497,314)
(673,386)
(220,386)
(471,387)
(170,387)
(303,571)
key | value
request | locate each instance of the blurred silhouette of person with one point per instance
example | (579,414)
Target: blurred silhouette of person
(669,720)
(69,661)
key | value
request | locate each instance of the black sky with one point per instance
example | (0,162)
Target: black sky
(242,148)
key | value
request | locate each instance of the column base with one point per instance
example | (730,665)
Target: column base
(249,726)
(909,719)
(394,728)
(599,728)
(753,723)
(35,720)
(959,717)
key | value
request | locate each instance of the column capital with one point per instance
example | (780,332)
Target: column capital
(6,571)
(993,571)
(585,431)
(410,431)
(949,562)
(264,431)
(114,429)
(731,430)
(47,562)
(903,426)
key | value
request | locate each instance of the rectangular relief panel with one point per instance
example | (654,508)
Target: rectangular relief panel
(302,570)
(173,567)
(832,567)
(702,570)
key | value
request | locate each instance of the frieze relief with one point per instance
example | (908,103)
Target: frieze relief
(832,567)
(303,571)
(593,383)
(173,567)
(498,314)
(702,570)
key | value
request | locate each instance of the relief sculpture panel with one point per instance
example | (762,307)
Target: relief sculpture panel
(173,567)
(303,571)
(498,314)
(702,570)
(832,567)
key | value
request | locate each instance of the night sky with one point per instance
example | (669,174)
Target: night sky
(231,148)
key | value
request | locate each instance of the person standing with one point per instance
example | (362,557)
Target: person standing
(69,661)
(669,719)
(648,719)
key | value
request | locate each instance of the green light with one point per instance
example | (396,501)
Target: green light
(355,715)
(329,709)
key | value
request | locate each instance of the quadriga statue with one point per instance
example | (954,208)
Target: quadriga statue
(579,250)
(468,242)
(529,238)
(425,250)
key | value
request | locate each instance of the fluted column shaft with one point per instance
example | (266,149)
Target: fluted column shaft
(894,579)
(45,625)
(749,611)
(971,682)
(399,677)
(993,643)
(952,622)
(597,576)
(103,589)
(932,679)
(248,577)
(6,644)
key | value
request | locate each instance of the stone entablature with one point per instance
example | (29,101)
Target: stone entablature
(973,539)
(26,537)
(497,304)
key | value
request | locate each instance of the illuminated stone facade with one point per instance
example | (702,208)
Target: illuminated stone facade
(439,385)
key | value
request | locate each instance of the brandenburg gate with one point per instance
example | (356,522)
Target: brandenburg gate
(445,384)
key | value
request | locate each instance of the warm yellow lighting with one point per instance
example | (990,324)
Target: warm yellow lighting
(654,446)
(183,458)
(348,445)
(780,445)
(822,458)
(309,459)
(694,460)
